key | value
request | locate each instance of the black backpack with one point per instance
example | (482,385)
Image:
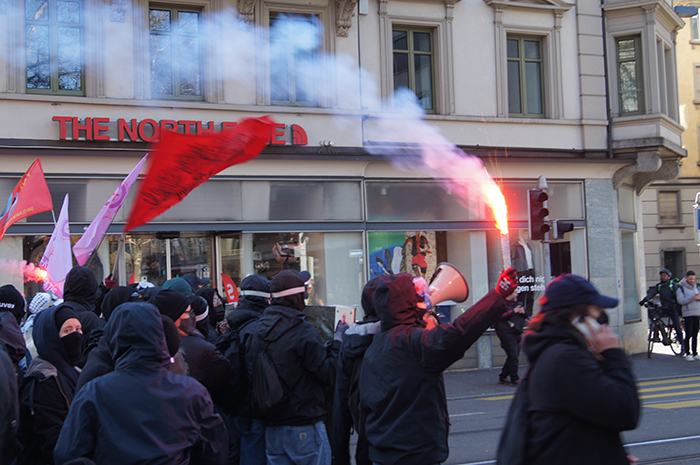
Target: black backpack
(267,393)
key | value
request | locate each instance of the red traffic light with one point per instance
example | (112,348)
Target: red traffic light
(538,212)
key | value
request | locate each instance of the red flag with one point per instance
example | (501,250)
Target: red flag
(182,162)
(30,196)
(230,288)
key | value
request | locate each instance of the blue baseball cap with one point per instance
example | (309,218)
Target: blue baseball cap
(570,289)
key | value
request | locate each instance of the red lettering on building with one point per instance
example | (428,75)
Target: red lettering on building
(277,131)
(227,126)
(99,125)
(142,130)
(299,135)
(131,130)
(62,125)
(208,130)
(77,127)
(170,124)
(188,125)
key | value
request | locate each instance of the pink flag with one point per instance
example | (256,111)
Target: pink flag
(57,260)
(93,235)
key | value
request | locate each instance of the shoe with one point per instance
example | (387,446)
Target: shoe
(696,357)
(689,358)
(656,339)
(503,381)
(514,383)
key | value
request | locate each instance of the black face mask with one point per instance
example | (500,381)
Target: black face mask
(188,325)
(73,345)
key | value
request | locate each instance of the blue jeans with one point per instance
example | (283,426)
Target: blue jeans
(247,435)
(298,445)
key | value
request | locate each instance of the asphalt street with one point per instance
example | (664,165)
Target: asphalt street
(669,431)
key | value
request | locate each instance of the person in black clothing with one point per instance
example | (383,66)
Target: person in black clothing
(9,408)
(582,391)
(216,313)
(356,340)
(246,430)
(509,329)
(296,432)
(80,292)
(12,311)
(402,390)
(666,290)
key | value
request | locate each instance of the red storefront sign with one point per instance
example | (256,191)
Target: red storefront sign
(148,130)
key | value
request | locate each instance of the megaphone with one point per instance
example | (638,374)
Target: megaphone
(447,283)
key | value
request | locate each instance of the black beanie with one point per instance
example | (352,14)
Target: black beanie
(172,337)
(11,300)
(63,313)
(170,303)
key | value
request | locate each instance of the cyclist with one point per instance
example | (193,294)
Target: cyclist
(666,289)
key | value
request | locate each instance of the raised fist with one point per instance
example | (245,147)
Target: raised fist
(507,282)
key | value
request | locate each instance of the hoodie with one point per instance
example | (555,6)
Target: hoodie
(165,418)
(684,296)
(80,291)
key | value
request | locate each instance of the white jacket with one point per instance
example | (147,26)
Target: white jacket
(684,296)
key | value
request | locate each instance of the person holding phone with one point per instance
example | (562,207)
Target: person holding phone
(582,391)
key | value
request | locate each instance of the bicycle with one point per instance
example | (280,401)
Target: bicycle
(661,330)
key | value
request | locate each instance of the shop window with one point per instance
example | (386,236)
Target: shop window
(669,207)
(626,200)
(525,76)
(54,46)
(175,51)
(295,47)
(629,275)
(414,64)
(630,83)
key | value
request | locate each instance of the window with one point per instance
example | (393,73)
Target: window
(413,64)
(53,39)
(525,77)
(176,59)
(629,275)
(629,69)
(694,36)
(294,54)
(696,76)
(668,208)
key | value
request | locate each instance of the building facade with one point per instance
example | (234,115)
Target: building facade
(582,93)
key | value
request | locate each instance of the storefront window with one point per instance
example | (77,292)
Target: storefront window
(191,255)
(232,258)
(144,259)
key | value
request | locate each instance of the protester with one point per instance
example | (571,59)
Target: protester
(688,296)
(11,313)
(402,389)
(666,290)
(80,292)
(47,390)
(195,282)
(509,329)
(295,432)
(206,364)
(246,430)
(582,391)
(346,412)
(9,408)
(216,313)
(141,413)
(179,285)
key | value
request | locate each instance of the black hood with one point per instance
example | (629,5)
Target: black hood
(240,316)
(536,343)
(135,337)
(255,303)
(11,337)
(395,301)
(116,297)
(48,343)
(276,321)
(81,286)
(284,280)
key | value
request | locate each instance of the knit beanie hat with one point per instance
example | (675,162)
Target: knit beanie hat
(11,300)
(171,303)
(172,337)
(179,285)
(63,313)
(199,306)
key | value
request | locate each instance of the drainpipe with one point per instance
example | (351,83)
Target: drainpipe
(607,81)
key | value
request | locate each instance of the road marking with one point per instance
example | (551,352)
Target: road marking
(667,388)
(670,380)
(672,405)
(668,394)
(661,441)
(509,396)
(467,414)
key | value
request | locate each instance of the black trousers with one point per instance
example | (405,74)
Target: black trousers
(673,314)
(510,341)
(691,333)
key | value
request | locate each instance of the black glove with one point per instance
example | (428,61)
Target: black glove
(340,330)
(642,302)
(507,282)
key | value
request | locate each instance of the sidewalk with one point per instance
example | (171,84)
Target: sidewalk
(662,364)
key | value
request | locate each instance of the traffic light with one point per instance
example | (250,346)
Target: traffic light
(536,203)
(559,228)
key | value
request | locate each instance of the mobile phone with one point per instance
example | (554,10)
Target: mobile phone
(586,326)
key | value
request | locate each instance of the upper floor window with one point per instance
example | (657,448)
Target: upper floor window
(176,58)
(295,44)
(629,74)
(525,75)
(53,39)
(669,208)
(413,64)
(694,35)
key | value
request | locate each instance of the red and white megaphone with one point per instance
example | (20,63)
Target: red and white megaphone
(447,283)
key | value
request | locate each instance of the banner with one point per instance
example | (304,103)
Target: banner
(230,289)
(181,162)
(30,196)
(93,235)
(57,260)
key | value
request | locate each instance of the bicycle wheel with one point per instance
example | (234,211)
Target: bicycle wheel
(650,340)
(656,332)
(676,343)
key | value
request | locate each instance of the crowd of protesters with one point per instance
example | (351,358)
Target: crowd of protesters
(146,374)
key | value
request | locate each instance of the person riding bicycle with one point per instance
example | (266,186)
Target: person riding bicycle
(666,290)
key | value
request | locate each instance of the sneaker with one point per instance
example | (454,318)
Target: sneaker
(697,357)
(689,358)
(514,383)
(503,381)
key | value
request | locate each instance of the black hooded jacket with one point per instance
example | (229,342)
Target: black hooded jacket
(161,417)
(401,385)
(80,291)
(46,392)
(577,401)
(304,366)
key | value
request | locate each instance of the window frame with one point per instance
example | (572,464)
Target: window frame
(522,60)
(639,69)
(53,26)
(678,212)
(411,52)
(694,31)
(201,36)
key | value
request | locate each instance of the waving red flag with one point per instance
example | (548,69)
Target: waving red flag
(30,196)
(181,162)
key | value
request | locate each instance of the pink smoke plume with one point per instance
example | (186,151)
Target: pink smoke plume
(29,271)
